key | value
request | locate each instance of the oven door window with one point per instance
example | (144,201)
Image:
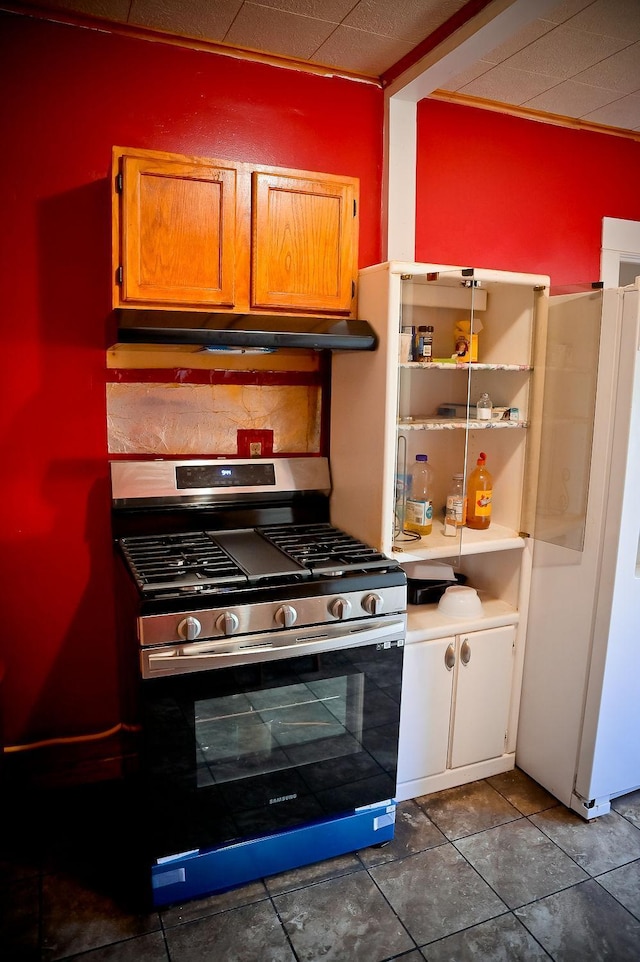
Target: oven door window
(264,731)
(237,752)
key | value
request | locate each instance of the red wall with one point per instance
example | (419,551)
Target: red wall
(69,95)
(492,191)
(507,193)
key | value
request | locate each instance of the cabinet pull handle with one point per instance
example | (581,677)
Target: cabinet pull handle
(465,652)
(450,657)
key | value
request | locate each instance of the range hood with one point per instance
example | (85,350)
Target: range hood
(257,331)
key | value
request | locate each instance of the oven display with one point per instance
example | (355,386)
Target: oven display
(225,475)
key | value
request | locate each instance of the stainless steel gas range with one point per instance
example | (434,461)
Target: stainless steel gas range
(270,650)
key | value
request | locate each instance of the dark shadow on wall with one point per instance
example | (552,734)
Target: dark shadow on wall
(60,645)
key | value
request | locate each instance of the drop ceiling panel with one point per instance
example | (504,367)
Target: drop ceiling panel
(520,40)
(623,113)
(352,50)
(333,11)
(287,34)
(506,85)
(572,99)
(410,20)
(612,18)
(186,18)
(564,51)
(620,73)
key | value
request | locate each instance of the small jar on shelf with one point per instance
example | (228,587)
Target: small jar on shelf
(456,509)
(484,407)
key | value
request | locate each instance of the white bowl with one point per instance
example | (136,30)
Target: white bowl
(460,601)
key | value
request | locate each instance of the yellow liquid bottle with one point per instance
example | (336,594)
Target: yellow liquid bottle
(479,495)
(419,508)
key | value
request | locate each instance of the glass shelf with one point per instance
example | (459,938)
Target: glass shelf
(462,366)
(457,424)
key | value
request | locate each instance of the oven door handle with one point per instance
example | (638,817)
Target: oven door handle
(181,659)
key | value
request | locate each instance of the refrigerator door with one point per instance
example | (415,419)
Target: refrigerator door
(574,480)
(609,758)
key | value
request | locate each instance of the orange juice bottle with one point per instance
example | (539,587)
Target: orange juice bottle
(479,494)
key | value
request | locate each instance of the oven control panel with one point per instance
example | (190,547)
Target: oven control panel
(169,628)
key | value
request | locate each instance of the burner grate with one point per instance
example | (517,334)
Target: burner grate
(179,561)
(322,548)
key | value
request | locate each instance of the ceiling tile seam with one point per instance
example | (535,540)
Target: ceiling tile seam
(533,43)
(608,103)
(366,33)
(619,94)
(555,81)
(302,16)
(235,17)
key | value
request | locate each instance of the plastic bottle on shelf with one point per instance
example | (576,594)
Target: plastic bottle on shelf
(419,342)
(419,507)
(479,495)
(456,510)
(484,407)
(405,347)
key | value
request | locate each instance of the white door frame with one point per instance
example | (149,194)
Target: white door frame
(620,244)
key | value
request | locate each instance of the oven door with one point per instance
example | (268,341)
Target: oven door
(285,730)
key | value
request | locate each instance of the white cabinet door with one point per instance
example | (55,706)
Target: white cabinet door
(482,695)
(427,686)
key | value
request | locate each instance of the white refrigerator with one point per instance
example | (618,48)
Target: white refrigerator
(579,726)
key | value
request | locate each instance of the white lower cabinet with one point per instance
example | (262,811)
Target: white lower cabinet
(456,695)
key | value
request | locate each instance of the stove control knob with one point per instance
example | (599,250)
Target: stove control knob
(227,623)
(372,603)
(340,608)
(189,628)
(286,616)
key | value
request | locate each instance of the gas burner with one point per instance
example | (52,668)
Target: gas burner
(187,562)
(323,548)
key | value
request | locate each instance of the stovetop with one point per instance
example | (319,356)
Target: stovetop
(248,538)
(202,562)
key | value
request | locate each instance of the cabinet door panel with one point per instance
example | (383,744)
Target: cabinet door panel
(483,695)
(304,243)
(426,705)
(178,232)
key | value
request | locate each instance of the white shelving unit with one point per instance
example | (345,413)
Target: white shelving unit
(384,412)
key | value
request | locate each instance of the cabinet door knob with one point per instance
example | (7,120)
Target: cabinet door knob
(465,652)
(450,657)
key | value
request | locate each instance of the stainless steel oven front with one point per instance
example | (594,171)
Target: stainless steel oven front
(268,651)
(268,732)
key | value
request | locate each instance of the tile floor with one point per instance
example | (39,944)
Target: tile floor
(495,870)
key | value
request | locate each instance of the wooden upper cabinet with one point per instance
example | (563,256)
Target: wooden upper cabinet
(215,235)
(304,251)
(177,223)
